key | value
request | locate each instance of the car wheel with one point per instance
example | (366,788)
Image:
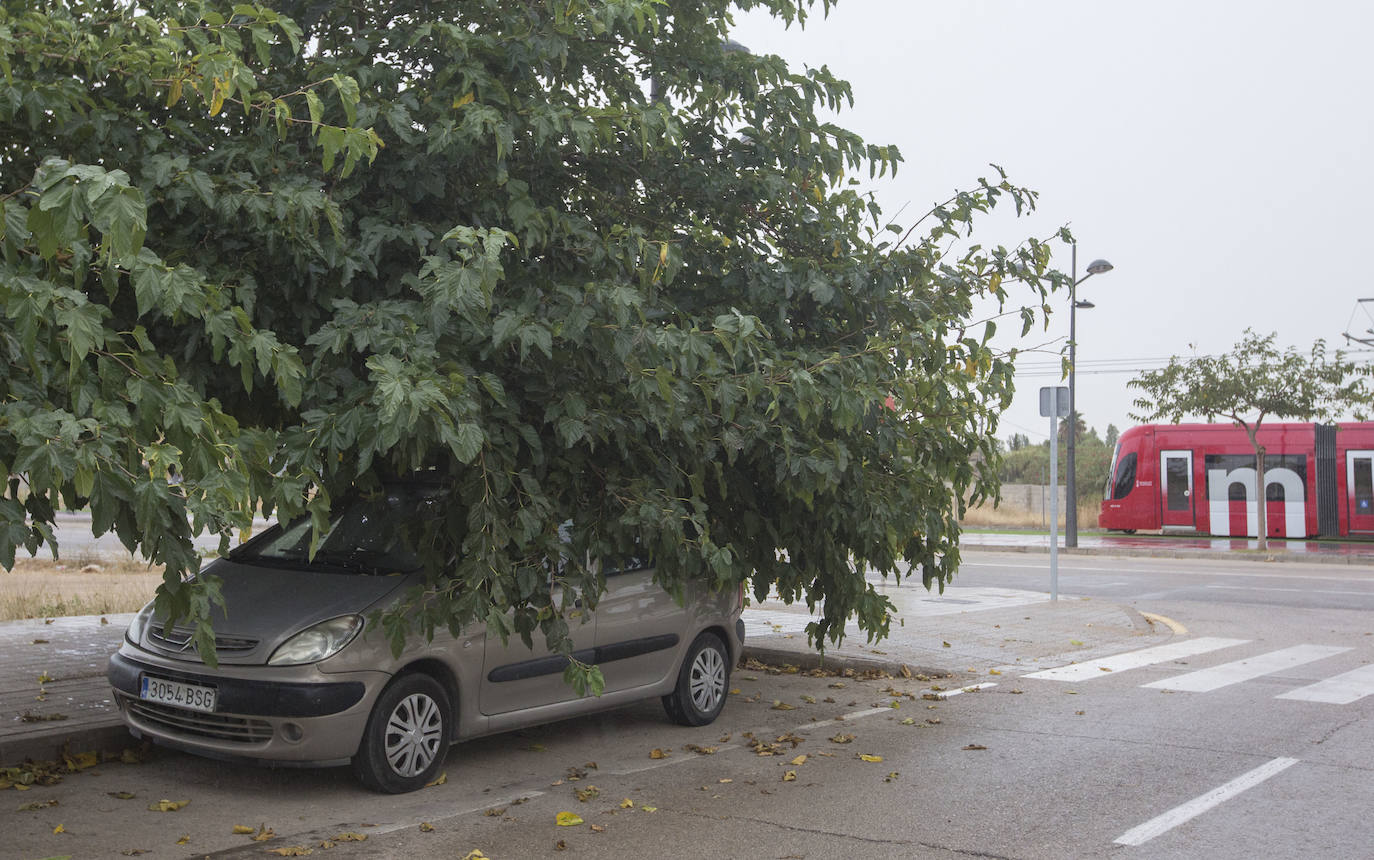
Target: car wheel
(407,736)
(701,683)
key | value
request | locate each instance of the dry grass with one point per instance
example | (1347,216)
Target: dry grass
(42,588)
(985,516)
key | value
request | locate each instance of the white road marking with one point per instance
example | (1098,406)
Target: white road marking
(1136,659)
(441,812)
(1195,807)
(1206,680)
(1296,590)
(1337,690)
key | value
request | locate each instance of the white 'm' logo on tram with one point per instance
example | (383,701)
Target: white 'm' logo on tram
(1219,483)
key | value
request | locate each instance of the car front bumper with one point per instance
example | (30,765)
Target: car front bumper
(294,714)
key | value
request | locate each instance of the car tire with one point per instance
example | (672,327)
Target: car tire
(701,683)
(407,736)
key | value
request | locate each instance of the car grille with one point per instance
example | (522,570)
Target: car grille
(220,727)
(178,640)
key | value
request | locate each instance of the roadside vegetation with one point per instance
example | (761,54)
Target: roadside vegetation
(1022,463)
(43,588)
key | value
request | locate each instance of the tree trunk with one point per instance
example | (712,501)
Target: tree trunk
(1261,520)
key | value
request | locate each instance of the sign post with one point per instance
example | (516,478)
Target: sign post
(1054,401)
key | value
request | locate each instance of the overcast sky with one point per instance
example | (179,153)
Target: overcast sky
(1217,153)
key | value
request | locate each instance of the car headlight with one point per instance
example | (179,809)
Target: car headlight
(314,644)
(134,635)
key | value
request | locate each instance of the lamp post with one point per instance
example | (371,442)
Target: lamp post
(1096,267)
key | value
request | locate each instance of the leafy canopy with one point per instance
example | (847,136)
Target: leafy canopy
(581,258)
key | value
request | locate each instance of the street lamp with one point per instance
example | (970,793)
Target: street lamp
(1096,267)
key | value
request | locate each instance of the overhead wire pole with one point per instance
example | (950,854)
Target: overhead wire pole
(1366,341)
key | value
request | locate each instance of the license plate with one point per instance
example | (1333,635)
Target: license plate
(189,696)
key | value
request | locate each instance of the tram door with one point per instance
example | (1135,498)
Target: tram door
(1176,475)
(1359,490)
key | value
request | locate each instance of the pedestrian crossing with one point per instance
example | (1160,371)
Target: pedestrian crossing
(1340,689)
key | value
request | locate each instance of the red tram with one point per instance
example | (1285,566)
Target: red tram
(1319,480)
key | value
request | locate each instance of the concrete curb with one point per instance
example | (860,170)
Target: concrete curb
(835,662)
(1250,555)
(51,746)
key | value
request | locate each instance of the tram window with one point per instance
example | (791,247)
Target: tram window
(1125,476)
(1364,485)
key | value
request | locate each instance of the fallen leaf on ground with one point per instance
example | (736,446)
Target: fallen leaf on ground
(1074,642)
(168,805)
(890,777)
(264,833)
(867,757)
(121,795)
(789,776)
(842,739)
(474,855)
(535,747)
(597,828)
(439,780)
(568,819)
(649,808)
(799,760)
(133,852)
(627,804)
(183,840)
(657,753)
(242,830)
(700,750)
(586,794)
(779,705)
(495,812)
(59,829)
(975,747)
(426,827)
(810,700)
(36,805)
(291,851)
(909,721)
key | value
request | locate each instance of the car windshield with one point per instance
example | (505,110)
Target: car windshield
(376,535)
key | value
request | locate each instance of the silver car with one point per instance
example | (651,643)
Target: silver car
(305,678)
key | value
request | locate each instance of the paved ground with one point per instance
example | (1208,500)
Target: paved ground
(53,694)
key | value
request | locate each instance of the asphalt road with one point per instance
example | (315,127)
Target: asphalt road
(1222,747)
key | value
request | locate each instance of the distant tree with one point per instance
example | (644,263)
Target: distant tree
(1018,441)
(1080,427)
(1112,435)
(1252,382)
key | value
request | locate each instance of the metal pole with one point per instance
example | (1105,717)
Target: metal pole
(1054,504)
(1070,490)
